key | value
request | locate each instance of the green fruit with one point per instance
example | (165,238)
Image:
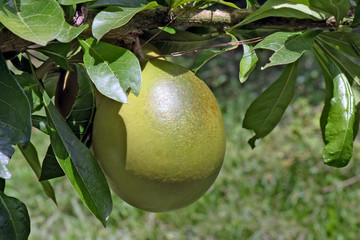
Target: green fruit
(164,149)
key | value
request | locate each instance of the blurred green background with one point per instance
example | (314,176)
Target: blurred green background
(279,190)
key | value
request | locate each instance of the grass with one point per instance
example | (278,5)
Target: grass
(275,191)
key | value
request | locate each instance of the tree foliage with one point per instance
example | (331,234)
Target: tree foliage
(67,49)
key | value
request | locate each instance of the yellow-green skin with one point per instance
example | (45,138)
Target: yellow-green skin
(164,149)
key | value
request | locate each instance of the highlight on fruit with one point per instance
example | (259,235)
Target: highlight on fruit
(163,150)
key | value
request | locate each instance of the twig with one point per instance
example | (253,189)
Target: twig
(194,50)
(346,183)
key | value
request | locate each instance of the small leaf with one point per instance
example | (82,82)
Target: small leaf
(83,111)
(250,3)
(50,167)
(68,32)
(206,55)
(350,68)
(14,220)
(267,110)
(283,8)
(323,61)
(356,20)
(32,158)
(79,164)
(22,63)
(112,69)
(41,123)
(180,41)
(15,118)
(113,17)
(36,21)
(31,89)
(287,46)
(247,63)
(58,52)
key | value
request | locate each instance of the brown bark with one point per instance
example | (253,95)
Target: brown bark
(220,19)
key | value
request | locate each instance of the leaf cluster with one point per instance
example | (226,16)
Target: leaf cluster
(51,86)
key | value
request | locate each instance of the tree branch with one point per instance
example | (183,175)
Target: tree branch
(158,17)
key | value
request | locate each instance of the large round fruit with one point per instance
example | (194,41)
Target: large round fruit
(164,149)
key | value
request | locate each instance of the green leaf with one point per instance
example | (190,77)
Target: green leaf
(250,3)
(356,20)
(41,123)
(340,123)
(266,111)
(14,219)
(351,69)
(50,168)
(79,164)
(343,41)
(21,63)
(288,46)
(36,21)
(112,69)
(113,17)
(71,2)
(82,113)
(247,63)
(68,32)
(283,8)
(323,61)
(58,52)
(32,158)
(31,89)
(206,55)
(180,41)
(229,4)
(15,118)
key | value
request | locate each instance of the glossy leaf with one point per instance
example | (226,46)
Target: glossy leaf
(36,21)
(283,8)
(247,63)
(79,164)
(57,52)
(340,123)
(31,89)
(266,111)
(83,110)
(287,46)
(15,118)
(50,168)
(113,17)
(68,32)
(14,219)
(32,158)
(112,69)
